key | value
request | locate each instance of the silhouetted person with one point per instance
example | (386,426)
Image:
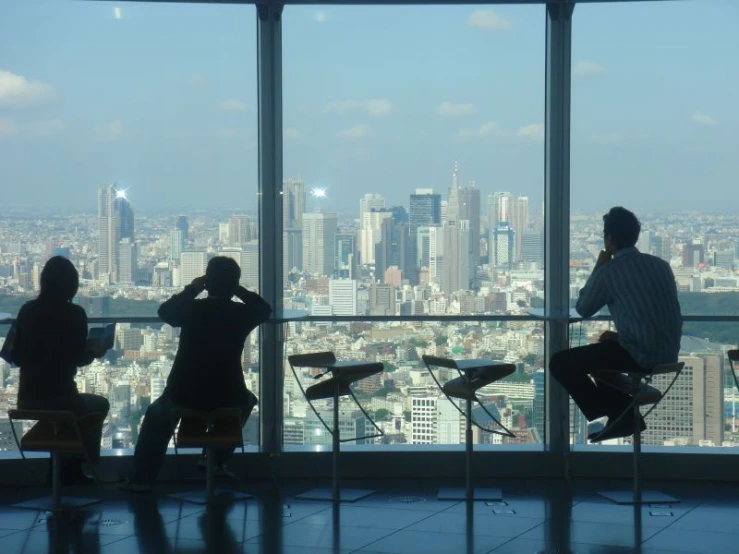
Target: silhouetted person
(641,294)
(50,344)
(207,371)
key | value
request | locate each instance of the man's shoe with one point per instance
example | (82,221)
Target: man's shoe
(221,469)
(128,486)
(624,428)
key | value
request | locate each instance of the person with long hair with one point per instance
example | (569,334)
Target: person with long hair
(50,344)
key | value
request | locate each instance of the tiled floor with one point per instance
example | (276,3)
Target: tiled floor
(545,517)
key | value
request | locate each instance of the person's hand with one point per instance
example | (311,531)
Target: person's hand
(603,258)
(608,336)
(198,284)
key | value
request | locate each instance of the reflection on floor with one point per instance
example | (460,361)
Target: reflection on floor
(536,517)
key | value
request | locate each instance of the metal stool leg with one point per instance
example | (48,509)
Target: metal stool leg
(469,492)
(335,493)
(637,455)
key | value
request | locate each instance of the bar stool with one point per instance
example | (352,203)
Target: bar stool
(473,375)
(342,375)
(638,387)
(56,432)
(211,429)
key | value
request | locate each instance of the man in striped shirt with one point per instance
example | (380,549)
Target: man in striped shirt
(641,295)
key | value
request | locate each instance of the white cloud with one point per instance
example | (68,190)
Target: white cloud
(355,132)
(608,138)
(703,119)
(196,80)
(117,13)
(378,107)
(486,129)
(18,92)
(7,127)
(109,131)
(489,20)
(320,16)
(290,133)
(45,128)
(232,105)
(586,68)
(533,132)
(450,109)
(375,107)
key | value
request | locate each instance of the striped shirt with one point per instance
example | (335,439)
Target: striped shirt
(641,294)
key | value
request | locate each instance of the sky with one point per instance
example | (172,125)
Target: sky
(162,99)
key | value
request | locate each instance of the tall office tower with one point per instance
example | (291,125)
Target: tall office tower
(644,244)
(370,202)
(183,225)
(346,255)
(370,233)
(503,239)
(662,247)
(724,258)
(391,250)
(293,207)
(436,253)
(192,265)
(239,230)
(319,237)
(452,204)
(250,265)
(693,254)
(469,209)
(115,222)
(693,409)
(127,261)
(532,246)
(425,211)
(342,296)
(176,244)
(457,268)
(382,299)
(223,229)
(502,206)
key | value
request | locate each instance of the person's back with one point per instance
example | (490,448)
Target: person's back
(50,345)
(207,371)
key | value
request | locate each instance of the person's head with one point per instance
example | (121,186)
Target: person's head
(222,276)
(59,280)
(620,229)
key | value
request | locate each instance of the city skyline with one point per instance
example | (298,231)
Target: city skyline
(177,119)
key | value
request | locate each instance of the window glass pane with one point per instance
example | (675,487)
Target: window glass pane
(128,144)
(413,164)
(654,129)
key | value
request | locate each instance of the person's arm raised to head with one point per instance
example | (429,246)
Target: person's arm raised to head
(258,306)
(175,310)
(594,295)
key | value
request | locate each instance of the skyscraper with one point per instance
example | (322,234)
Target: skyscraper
(319,236)
(293,207)
(370,202)
(239,230)
(192,264)
(469,209)
(127,261)
(391,249)
(346,255)
(115,222)
(183,225)
(503,239)
(342,295)
(370,233)
(502,206)
(532,246)
(176,244)
(457,269)
(425,211)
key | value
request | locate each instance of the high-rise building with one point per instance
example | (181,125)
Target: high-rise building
(239,230)
(293,207)
(183,225)
(692,413)
(192,264)
(457,268)
(346,255)
(342,296)
(425,211)
(176,244)
(127,261)
(662,247)
(469,209)
(539,403)
(436,253)
(514,210)
(391,249)
(370,233)
(532,246)
(370,202)
(724,258)
(503,241)
(693,254)
(115,222)
(319,237)
(382,299)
